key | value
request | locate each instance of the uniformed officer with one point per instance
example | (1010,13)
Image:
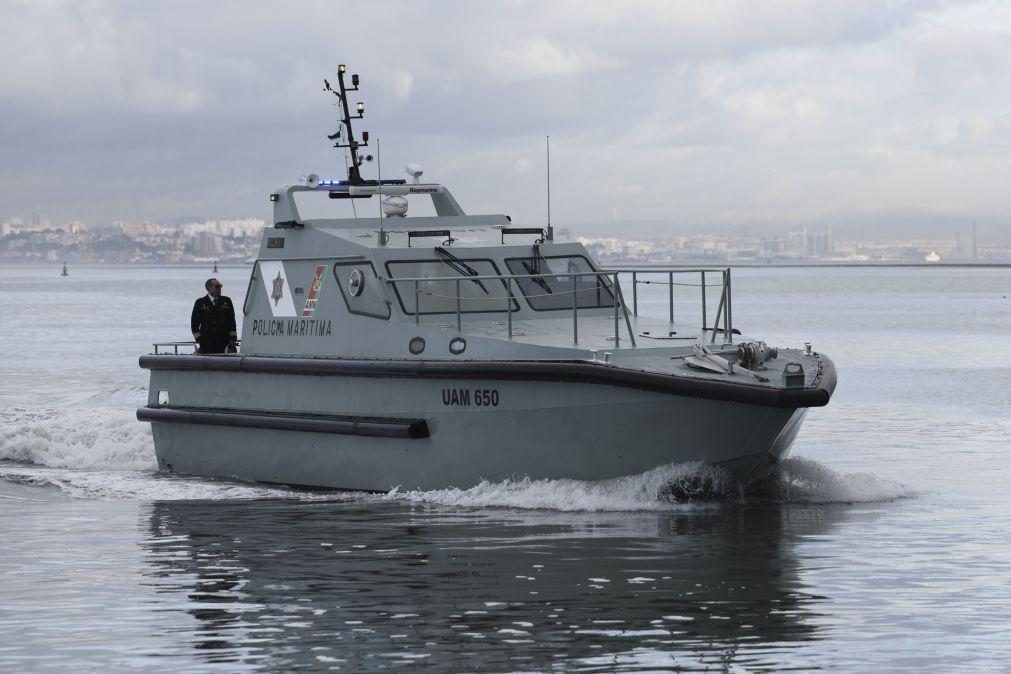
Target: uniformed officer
(213,320)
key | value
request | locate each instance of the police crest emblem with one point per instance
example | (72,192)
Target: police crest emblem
(278,289)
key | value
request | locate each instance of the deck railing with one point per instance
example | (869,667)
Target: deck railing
(162,348)
(671,278)
(606,278)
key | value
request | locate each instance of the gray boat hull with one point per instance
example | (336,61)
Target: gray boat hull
(378,433)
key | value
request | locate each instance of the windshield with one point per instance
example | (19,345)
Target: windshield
(547,292)
(440,297)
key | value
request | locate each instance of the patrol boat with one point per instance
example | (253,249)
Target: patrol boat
(426,352)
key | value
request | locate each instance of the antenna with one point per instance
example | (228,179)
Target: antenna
(550,233)
(379,194)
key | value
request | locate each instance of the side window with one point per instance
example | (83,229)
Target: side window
(438,284)
(547,292)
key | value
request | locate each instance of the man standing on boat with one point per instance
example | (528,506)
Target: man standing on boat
(213,321)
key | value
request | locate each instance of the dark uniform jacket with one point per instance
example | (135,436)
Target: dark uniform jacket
(213,324)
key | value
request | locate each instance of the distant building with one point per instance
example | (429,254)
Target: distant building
(206,244)
(819,243)
(142,229)
(811,244)
(963,246)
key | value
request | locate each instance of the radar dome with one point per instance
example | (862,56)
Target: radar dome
(395,207)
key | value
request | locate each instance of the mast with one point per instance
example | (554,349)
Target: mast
(345,135)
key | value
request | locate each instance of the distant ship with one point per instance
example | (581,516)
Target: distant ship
(65,272)
(932,256)
(428,352)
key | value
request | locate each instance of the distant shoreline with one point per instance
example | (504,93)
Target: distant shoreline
(806,265)
(644,265)
(947,265)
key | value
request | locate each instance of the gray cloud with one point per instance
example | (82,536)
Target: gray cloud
(698,114)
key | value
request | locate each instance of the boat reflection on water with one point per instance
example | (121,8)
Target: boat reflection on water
(364,584)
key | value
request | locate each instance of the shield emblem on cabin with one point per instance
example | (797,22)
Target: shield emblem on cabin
(278,289)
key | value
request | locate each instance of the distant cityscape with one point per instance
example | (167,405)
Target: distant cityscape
(800,247)
(121,242)
(232,241)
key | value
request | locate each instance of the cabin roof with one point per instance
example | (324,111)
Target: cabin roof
(450,225)
(420,232)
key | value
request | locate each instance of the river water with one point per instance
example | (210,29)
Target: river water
(883,547)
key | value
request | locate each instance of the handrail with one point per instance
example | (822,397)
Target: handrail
(502,277)
(619,302)
(663,270)
(175,346)
(724,310)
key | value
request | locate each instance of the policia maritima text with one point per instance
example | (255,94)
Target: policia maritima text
(213,320)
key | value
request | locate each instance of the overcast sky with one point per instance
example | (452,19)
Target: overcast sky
(732,115)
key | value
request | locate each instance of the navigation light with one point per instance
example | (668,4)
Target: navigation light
(360,107)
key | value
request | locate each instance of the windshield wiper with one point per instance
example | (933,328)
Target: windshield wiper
(537,279)
(459,266)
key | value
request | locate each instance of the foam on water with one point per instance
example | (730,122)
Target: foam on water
(801,480)
(151,486)
(77,437)
(633,492)
(671,486)
(797,481)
